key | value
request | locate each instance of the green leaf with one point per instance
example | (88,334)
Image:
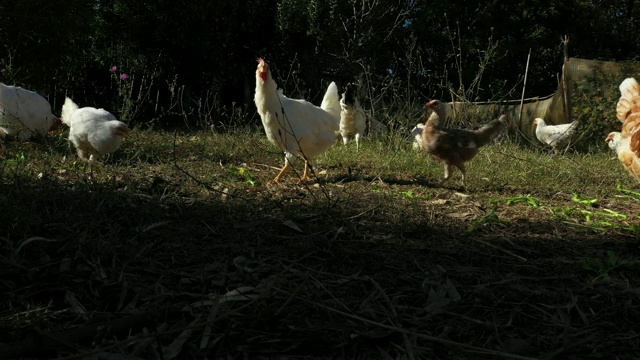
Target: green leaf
(613,214)
(635,194)
(242,171)
(583,201)
(490,218)
(408,193)
(526,198)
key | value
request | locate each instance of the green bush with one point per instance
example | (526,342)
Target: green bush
(594,106)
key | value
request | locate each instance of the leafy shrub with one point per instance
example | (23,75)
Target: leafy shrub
(594,106)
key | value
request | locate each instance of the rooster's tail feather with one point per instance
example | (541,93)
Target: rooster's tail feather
(331,101)
(68,109)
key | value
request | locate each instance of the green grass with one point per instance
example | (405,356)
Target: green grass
(373,259)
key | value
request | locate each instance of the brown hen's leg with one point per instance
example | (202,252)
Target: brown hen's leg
(462,170)
(305,175)
(284,170)
(448,168)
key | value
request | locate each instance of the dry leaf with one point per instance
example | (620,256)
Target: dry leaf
(292,225)
(35,238)
(437,299)
(155,225)
(452,291)
(78,308)
(240,263)
(174,349)
(461,215)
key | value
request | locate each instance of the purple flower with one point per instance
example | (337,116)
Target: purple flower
(113,69)
(124,76)
(3,70)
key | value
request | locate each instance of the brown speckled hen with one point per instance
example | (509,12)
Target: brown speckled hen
(626,142)
(455,146)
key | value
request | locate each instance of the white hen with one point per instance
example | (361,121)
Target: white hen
(416,132)
(24,113)
(93,131)
(352,118)
(297,127)
(556,136)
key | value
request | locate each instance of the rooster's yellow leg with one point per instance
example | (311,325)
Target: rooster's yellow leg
(305,174)
(284,170)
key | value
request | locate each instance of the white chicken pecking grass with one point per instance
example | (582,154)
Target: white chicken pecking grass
(24,113)
(556,136)
(352,118)
(297,127)
(93,132)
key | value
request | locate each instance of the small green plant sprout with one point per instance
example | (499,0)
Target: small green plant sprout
(612,214)
(411,195)
(242,171)
(525,198)
(563,212)
(408,193)
(589,202)
(606,269)
(628,194)
(19,159)
(489,219)
(593,220)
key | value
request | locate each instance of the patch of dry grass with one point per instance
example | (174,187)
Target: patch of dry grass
(177,247)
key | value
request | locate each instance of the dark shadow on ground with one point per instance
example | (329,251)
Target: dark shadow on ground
(322,277)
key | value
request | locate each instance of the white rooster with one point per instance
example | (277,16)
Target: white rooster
(92,131)
(24,113)
(352,118)
(556,136)
(626,142)
(297,127)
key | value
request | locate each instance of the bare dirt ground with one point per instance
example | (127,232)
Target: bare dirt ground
(194,255)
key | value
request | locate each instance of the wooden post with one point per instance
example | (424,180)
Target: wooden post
(524,86)
(565,93)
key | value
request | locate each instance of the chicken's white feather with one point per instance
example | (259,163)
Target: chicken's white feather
(297,127)
(24,113)
(556,136)
(93,131)
(417,136)
(331,101)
